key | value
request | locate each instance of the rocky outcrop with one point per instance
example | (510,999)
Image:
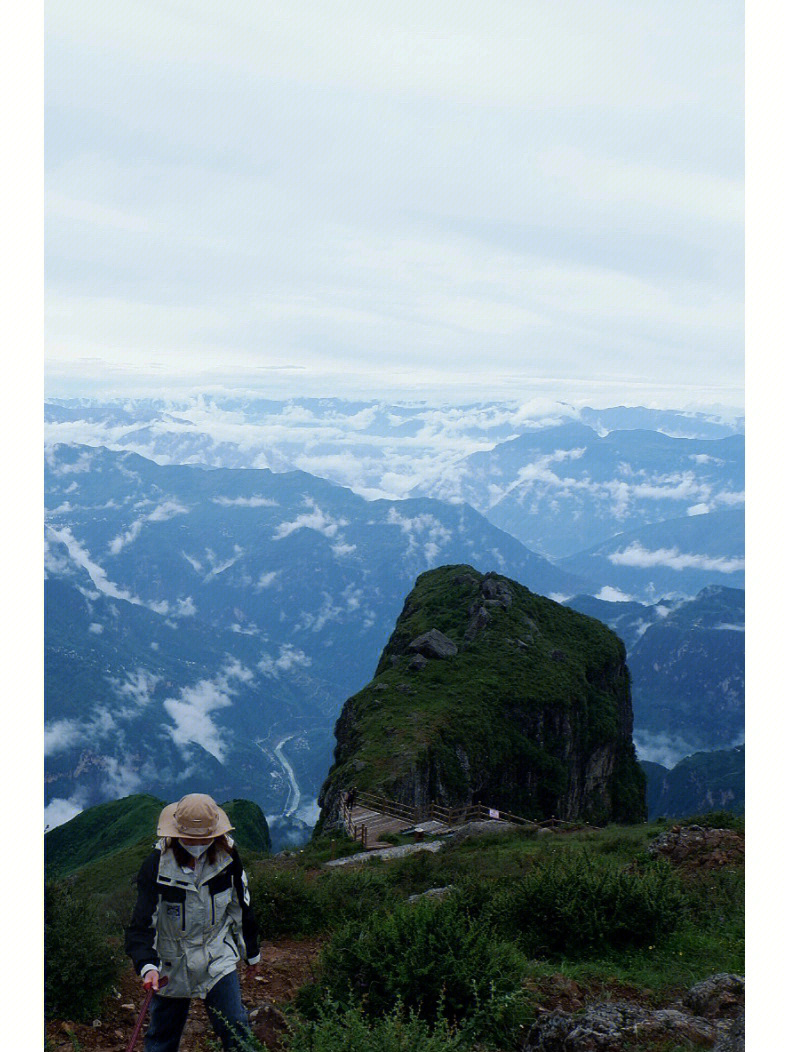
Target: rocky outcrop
(699,847)
(498,696)
(711,1015)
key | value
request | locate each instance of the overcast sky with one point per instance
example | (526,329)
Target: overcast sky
(438,199)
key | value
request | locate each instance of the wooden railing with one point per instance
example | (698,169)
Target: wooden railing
(438,812)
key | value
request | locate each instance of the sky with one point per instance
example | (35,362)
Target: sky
(440,200)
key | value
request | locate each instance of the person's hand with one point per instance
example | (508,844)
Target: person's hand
(151,980)
(253,969)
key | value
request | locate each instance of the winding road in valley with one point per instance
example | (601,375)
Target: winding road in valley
(294,793)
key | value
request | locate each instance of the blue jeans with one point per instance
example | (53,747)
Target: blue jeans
(225,1010)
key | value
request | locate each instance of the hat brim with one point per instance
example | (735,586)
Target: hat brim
(167,825)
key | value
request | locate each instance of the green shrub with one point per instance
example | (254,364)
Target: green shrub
(80,965)
(579,903)
(428,956)
(353,894)
(341,1028)
(285,903)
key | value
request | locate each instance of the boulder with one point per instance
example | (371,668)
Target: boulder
(433,644)
(699,846)
(721,995)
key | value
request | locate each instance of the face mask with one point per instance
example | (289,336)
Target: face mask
(195,850)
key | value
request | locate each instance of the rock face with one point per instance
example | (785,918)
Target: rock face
(515,702)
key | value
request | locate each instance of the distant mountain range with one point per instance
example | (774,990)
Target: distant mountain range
(687,663)
(215,620)
(212,603)
(706,781)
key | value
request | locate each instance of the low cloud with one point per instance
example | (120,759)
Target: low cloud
(161,513)
(59,811)
(60,735)
(245,502)
(673,559)
(191,710)
(668,749)
(315,519)
(95,628)
(289,658)
(81,557)
(138,687)
(613,595)
(266,580)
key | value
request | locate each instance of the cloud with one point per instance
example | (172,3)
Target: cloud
(289,658)
(698,509)
(343,549)
(137,687)
(161,513)
(95,628)
(637,556)
(60,735)
(191,710)
(98,575)
(424,532)
(315,519)
(245,502)
(59,811)
(667,749)
(613,595)
(185,607)
(266,580)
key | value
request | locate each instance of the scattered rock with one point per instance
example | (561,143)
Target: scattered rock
(699,847)
(611,1026)
(417,662)
(558,655)
(720,996)
(404,688)
(731,1035)
(491,826)
(433,893)
(496,589)
(381,686)
(545,831)
(433,644)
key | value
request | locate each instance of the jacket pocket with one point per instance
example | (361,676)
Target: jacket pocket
(219,905)
(173,963)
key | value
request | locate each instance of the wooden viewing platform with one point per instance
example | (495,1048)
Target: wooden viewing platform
(372,816)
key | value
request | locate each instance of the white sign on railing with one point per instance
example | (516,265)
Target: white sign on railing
(493,812)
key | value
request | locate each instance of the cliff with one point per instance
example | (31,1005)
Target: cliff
(489,693)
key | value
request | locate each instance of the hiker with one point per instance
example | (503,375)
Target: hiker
(192,922)
(350,798)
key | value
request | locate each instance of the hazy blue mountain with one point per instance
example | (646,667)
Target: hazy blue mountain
(192,613)
(706,781)
(676,557)
(687,664)
(565,489)
(677,425)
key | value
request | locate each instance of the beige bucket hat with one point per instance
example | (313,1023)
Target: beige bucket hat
(194,817)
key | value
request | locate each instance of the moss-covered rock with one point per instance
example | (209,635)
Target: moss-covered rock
(532,714)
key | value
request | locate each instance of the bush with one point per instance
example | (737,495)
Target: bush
(353,894)
(431,957)
(80,965)
(580,903)
(340,1028)
(284,903)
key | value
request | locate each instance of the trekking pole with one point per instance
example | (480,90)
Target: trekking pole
(163,980)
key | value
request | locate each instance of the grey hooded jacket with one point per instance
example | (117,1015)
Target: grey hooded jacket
(192,928)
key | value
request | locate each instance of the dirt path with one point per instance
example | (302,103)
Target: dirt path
(285,966)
